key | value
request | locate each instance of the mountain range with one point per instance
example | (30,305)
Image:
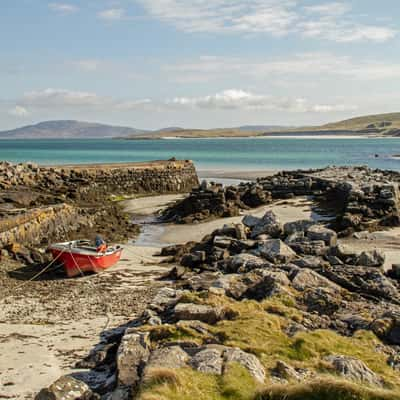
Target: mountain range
(380,124)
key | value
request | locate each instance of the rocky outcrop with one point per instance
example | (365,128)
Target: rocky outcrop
(364,199)
(215,201)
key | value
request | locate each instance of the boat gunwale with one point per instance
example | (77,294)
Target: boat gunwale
(68,249)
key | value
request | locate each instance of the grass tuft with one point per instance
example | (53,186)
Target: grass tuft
(325,389)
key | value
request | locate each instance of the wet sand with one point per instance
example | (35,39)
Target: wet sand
(241,175)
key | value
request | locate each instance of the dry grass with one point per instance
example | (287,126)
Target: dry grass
(325,389)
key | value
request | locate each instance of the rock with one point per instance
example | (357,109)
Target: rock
(201,281)
(310,262)
(307,278)
(165,298)
(200,312)
(20,253)
(269,225)
(194,260)
(132,356)
(319,232)
(167,357)
(214,359)
(208,360)
(120,393)
(333,260)
(251,221)
(276,251)
(285,371)
(388,328)
(354,369)
(224,242)
(246,360)
(374,258)
(368,281)
(233,285)
(324,301)
(257,284)
(297,226)
(67,388)
(245,262)
(345,252)
(394,272)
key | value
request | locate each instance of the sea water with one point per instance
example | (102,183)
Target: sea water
(212,154)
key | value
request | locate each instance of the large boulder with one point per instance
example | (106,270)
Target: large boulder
(245,262)
(297,226)
(388,328)
(132,356)
(167,357)
(208,360)
(354,369)
(215,359)
(257,284)
(67,388)
(276,251)
(374,258)
(200,312)
(367,281)
(165,298)
(307,278)
(269,225)
(319,232)
(246,360)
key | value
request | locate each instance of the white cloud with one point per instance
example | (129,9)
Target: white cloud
(245,100)
(232,99)
(315,65)
(61,97)
(63,8)
(112,14)
(19,111)
(273,16)
(329,21)
(329,9)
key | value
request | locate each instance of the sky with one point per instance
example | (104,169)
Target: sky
(198,63)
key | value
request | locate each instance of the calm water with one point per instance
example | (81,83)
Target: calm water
(239,154)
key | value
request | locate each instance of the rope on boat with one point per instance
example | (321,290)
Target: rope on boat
(37,275)
(76,264)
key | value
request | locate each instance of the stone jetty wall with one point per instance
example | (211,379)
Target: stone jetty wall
(40,204)
(105,179)
(33,225)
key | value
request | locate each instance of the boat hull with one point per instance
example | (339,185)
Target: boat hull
(76,263)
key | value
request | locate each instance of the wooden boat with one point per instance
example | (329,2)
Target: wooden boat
(79,256)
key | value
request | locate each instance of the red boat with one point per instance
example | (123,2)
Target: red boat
(79,256)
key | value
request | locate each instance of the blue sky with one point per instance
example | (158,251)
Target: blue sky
(197,63)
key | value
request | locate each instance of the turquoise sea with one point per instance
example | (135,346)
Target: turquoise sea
(212,154)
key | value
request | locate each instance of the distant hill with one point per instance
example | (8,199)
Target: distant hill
(381,123)
(69,129)
(370,125)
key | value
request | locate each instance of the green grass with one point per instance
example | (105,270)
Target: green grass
(259,328)
(185,384)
